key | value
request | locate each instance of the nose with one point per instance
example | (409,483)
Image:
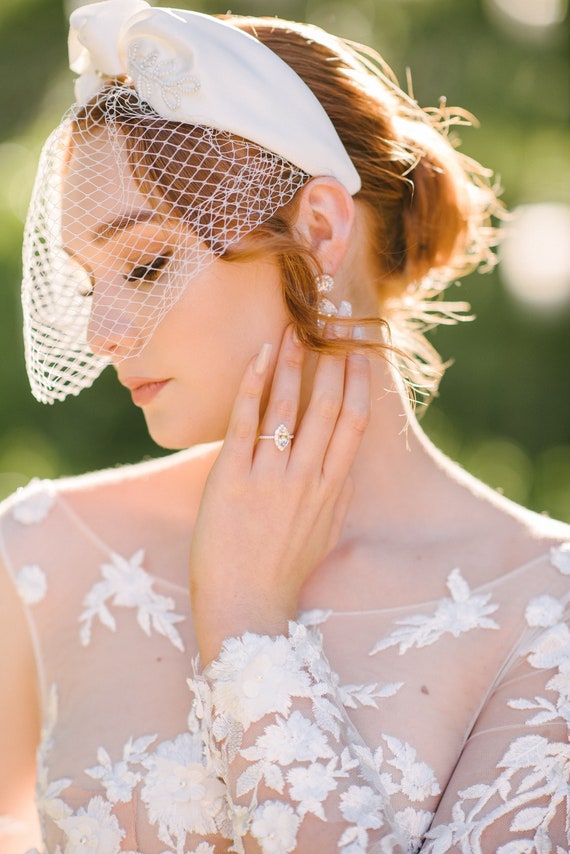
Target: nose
(113,331)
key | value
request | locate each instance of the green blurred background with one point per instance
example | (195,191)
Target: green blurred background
(504,406)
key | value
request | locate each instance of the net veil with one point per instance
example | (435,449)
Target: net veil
(127,209)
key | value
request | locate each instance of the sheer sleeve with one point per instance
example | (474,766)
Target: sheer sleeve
(510,791)
(298,775)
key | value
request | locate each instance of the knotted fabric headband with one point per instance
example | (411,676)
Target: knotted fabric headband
(198,69)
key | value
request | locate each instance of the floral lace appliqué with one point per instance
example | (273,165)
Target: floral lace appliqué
(48,801)
(417,780)
(34,508)
(31,584)
(353,696)
(92,829)
(462,612)
(181,794)
(126,584)
(298,755)
(118,779)
(534,772)
(560,558)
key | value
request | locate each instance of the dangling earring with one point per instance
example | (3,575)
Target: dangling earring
(325,284)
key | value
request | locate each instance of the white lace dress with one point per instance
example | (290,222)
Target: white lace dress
(440,726)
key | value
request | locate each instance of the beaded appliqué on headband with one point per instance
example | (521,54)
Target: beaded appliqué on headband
(146,72)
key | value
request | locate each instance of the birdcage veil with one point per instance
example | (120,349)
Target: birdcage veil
(127,209)
(180,144)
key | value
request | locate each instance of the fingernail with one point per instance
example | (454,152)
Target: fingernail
(262,360)
(294,336)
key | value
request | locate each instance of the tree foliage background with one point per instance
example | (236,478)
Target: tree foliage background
(504,406)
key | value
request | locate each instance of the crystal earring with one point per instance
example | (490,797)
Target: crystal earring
(325,284)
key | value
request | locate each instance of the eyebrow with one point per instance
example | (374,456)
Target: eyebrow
(106,230)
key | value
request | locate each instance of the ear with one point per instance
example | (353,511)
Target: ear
(324,220)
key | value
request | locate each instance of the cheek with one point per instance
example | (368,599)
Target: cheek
(228,313)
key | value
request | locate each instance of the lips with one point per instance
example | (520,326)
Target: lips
(144,389)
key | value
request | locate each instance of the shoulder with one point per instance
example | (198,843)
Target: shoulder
(501,534)
(22,513)
(159,494)
(153,502)
(94,491)
(529,557)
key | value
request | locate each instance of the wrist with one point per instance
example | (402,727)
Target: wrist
(213,623)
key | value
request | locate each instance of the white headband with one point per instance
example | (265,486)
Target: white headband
(198,69)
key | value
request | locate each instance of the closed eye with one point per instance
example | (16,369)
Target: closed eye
(148,272)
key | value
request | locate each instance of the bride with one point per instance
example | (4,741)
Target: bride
(308,630)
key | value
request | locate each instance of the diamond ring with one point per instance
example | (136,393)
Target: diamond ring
(282,437)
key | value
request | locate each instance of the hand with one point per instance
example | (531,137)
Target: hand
(267,517)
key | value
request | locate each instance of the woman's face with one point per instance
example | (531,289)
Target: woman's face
(185,373)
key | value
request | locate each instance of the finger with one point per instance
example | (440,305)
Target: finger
(319,421)
(340,511)
(353,419)
(283,403)
(243,427)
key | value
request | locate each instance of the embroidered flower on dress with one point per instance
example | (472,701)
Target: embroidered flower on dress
(363,807)
(413,824)
(255,675)
(418,781)
(552,648)
(48,801)
(560,558)
(92,830)
(275,827)
(561,684)
(35,507)
(544,611)
(296,739)
(461,613)
(117,780)
(311,785)
(32,584)
(180,794)
(128,585)
(535,769)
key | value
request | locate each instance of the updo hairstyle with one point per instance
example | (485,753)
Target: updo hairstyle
(427,207)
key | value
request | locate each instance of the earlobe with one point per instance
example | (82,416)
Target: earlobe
(324,220)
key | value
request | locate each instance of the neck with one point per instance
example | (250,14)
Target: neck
(402,483)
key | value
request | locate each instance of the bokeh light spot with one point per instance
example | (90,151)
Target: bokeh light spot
(534,13)
(535,256)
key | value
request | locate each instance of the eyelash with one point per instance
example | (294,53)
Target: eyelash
(144,272)
(148,272)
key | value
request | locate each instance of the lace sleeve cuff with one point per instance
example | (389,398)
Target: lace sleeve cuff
(296,770)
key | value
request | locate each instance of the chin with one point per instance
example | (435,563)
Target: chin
(176,436)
